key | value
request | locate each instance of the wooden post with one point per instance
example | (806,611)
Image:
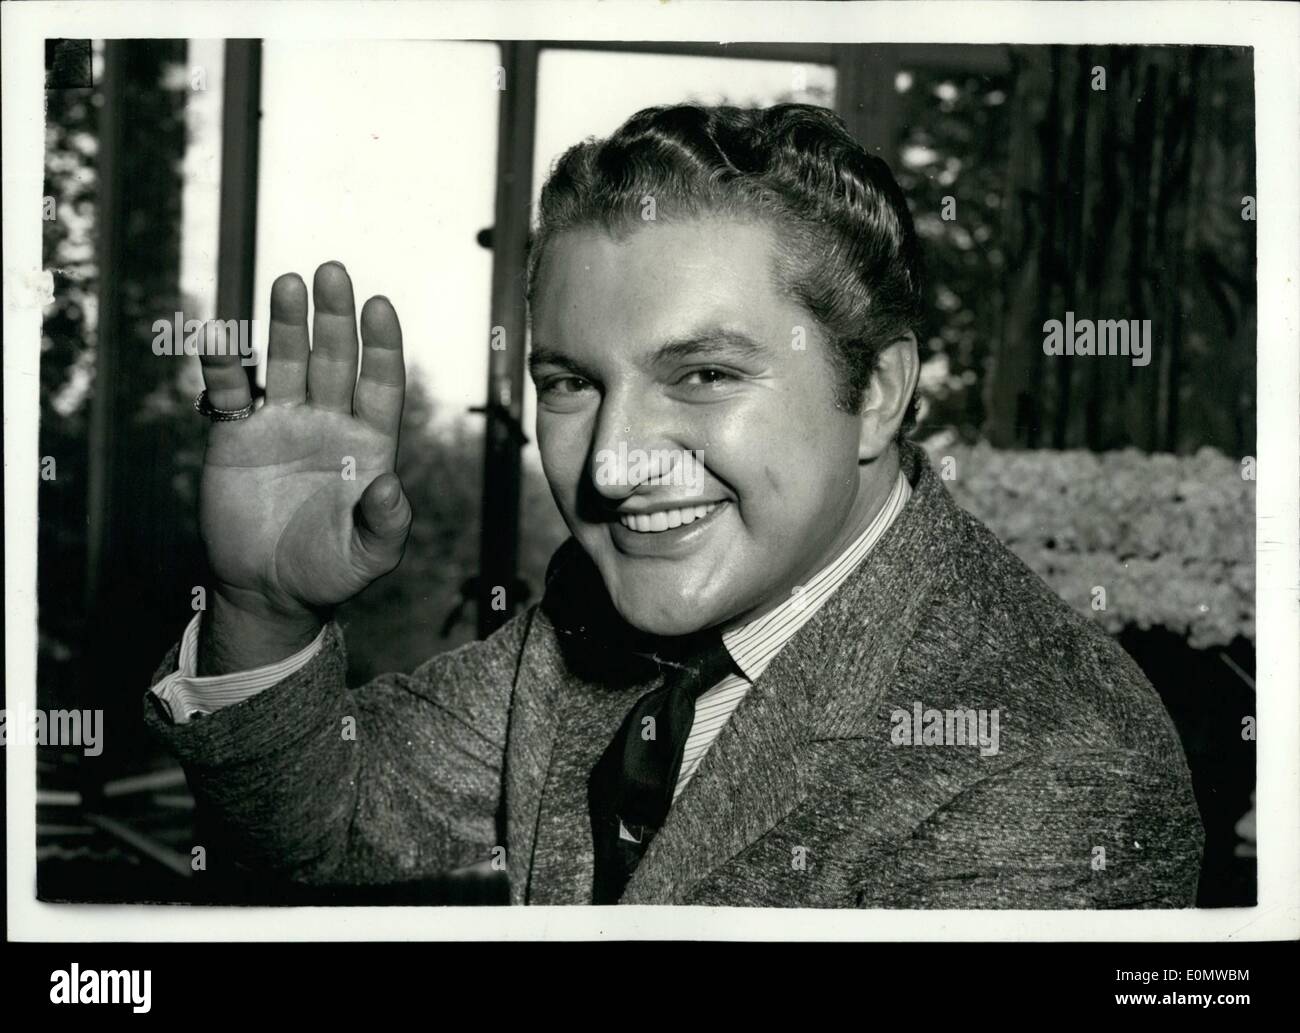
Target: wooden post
(241,113)
(864,96)
(109,246)
(503,436)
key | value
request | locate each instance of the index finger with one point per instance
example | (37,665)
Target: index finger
(224,374)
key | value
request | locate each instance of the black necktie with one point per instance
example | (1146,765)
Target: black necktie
(631,786)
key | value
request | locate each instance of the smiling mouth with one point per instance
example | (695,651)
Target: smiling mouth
(665,519)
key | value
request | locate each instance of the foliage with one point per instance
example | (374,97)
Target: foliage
(1170,538)
(148,552)
(954,146)
(1110,181)
(68,251)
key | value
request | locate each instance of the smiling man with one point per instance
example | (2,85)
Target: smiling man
(774,665)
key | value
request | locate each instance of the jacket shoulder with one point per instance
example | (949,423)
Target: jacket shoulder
(997,631)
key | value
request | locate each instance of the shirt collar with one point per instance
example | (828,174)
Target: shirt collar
(755,645)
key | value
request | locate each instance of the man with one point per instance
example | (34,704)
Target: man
(774,666)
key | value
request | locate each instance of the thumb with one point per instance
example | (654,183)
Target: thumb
(383,520)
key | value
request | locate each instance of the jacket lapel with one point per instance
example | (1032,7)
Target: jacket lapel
(870,622)
(577,645)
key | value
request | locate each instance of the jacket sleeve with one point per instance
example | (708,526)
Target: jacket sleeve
(1108,829)
(394,781)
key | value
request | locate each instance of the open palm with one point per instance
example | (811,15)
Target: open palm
(299,507)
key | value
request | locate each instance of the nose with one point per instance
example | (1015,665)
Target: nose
(633,446)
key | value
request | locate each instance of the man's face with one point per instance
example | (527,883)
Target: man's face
(686,421)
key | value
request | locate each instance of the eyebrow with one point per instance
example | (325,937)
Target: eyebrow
(540,355)
(712,342)
(716,342)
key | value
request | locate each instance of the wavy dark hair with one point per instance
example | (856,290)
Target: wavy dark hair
(848,250)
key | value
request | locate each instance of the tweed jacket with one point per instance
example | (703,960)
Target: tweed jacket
(815,794)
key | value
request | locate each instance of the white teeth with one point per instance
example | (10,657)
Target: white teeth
(664,519)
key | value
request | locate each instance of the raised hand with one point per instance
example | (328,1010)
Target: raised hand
(299,507)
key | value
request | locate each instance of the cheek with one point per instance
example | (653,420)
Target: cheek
(785,459)
(562,444)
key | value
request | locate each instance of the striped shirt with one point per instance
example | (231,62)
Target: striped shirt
(752,646)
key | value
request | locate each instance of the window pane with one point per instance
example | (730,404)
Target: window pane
(383,155)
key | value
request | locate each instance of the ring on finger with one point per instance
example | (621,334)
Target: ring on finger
(205,408)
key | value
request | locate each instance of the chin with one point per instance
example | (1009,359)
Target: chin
(666,615)
(663,625)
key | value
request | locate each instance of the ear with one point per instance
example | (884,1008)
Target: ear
(888,396)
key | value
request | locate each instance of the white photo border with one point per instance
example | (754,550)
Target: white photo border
(1273,30)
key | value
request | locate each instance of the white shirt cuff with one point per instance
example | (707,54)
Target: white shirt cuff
(184,694)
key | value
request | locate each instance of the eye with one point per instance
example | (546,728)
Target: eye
(566,393)
(705,377)
(566,384)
